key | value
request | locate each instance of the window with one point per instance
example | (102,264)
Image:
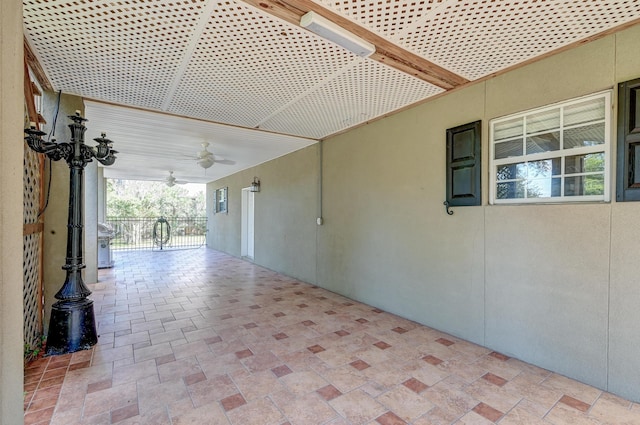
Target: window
(558,153)
(221,200)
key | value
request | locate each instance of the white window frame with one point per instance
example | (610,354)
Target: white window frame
(561,153)
(218,196)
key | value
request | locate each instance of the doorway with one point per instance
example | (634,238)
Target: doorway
(247,232)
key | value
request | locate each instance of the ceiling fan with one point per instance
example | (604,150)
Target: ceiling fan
(172,181)
(205,158)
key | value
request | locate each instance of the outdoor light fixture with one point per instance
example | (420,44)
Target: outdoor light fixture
(333,32)
(72,324)
(255,185)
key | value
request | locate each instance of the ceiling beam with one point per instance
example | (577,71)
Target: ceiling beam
(196,34)
(386,52)
(36,68)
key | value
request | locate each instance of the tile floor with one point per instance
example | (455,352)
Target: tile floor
(198,337)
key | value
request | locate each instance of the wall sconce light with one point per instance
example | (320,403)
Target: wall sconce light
(255,185)
(333,32)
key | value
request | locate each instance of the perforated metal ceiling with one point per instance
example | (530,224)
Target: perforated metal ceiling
(232,63)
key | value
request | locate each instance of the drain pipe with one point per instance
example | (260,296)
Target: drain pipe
(319,218)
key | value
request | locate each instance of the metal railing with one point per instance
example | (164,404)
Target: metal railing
(160,233)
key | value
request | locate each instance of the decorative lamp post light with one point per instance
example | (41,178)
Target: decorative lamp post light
(72,324)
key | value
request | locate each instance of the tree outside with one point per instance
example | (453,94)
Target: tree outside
(148,215)
(133,198)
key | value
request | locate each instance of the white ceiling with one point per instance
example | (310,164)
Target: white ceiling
(271,86)
(150,145)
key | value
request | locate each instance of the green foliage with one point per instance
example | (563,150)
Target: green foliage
(32,353)
(129,198)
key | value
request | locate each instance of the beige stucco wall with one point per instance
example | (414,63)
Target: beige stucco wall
(560,284)
(285,230)
(554,285)
(624,280)
(11,165)
(229,239)
(387,240)
(547,266)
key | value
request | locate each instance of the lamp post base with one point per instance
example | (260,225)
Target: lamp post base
(72,327)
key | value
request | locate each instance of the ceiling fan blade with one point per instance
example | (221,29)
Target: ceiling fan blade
(225,161)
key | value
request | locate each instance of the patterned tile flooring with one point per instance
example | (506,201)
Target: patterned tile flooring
(199,337)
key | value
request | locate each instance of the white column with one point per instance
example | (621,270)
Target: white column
(11,187)
(102,196)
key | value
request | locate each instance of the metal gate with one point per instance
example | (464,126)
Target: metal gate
(157,233)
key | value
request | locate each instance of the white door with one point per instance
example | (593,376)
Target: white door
(247,246)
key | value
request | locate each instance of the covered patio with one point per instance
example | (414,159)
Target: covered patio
(200,337)
(353,248)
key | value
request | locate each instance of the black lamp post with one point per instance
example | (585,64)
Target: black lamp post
(72,325)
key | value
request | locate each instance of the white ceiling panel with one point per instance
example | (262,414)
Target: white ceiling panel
(125,51)
(478,38)
(368,89)
(388,18)
(242,62)
(150,145)
(241,65)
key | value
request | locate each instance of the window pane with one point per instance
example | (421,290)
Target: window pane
(540,183)
(591,110)
(547,120)
(556,187)
(584,185)
(594,185)
(545,168)
(543,143)
(510,190)
(634,164)
(584,163)
(507,149)
(589,135)
(512,171)
(543,188)
(508,129)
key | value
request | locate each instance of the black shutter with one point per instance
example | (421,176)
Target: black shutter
(628,167)
(463,165)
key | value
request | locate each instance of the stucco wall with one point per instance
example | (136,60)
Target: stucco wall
(387,240)
(554,285)
(624,280)
(11,166)
(285,214)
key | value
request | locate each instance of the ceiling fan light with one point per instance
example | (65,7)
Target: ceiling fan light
(205,162)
